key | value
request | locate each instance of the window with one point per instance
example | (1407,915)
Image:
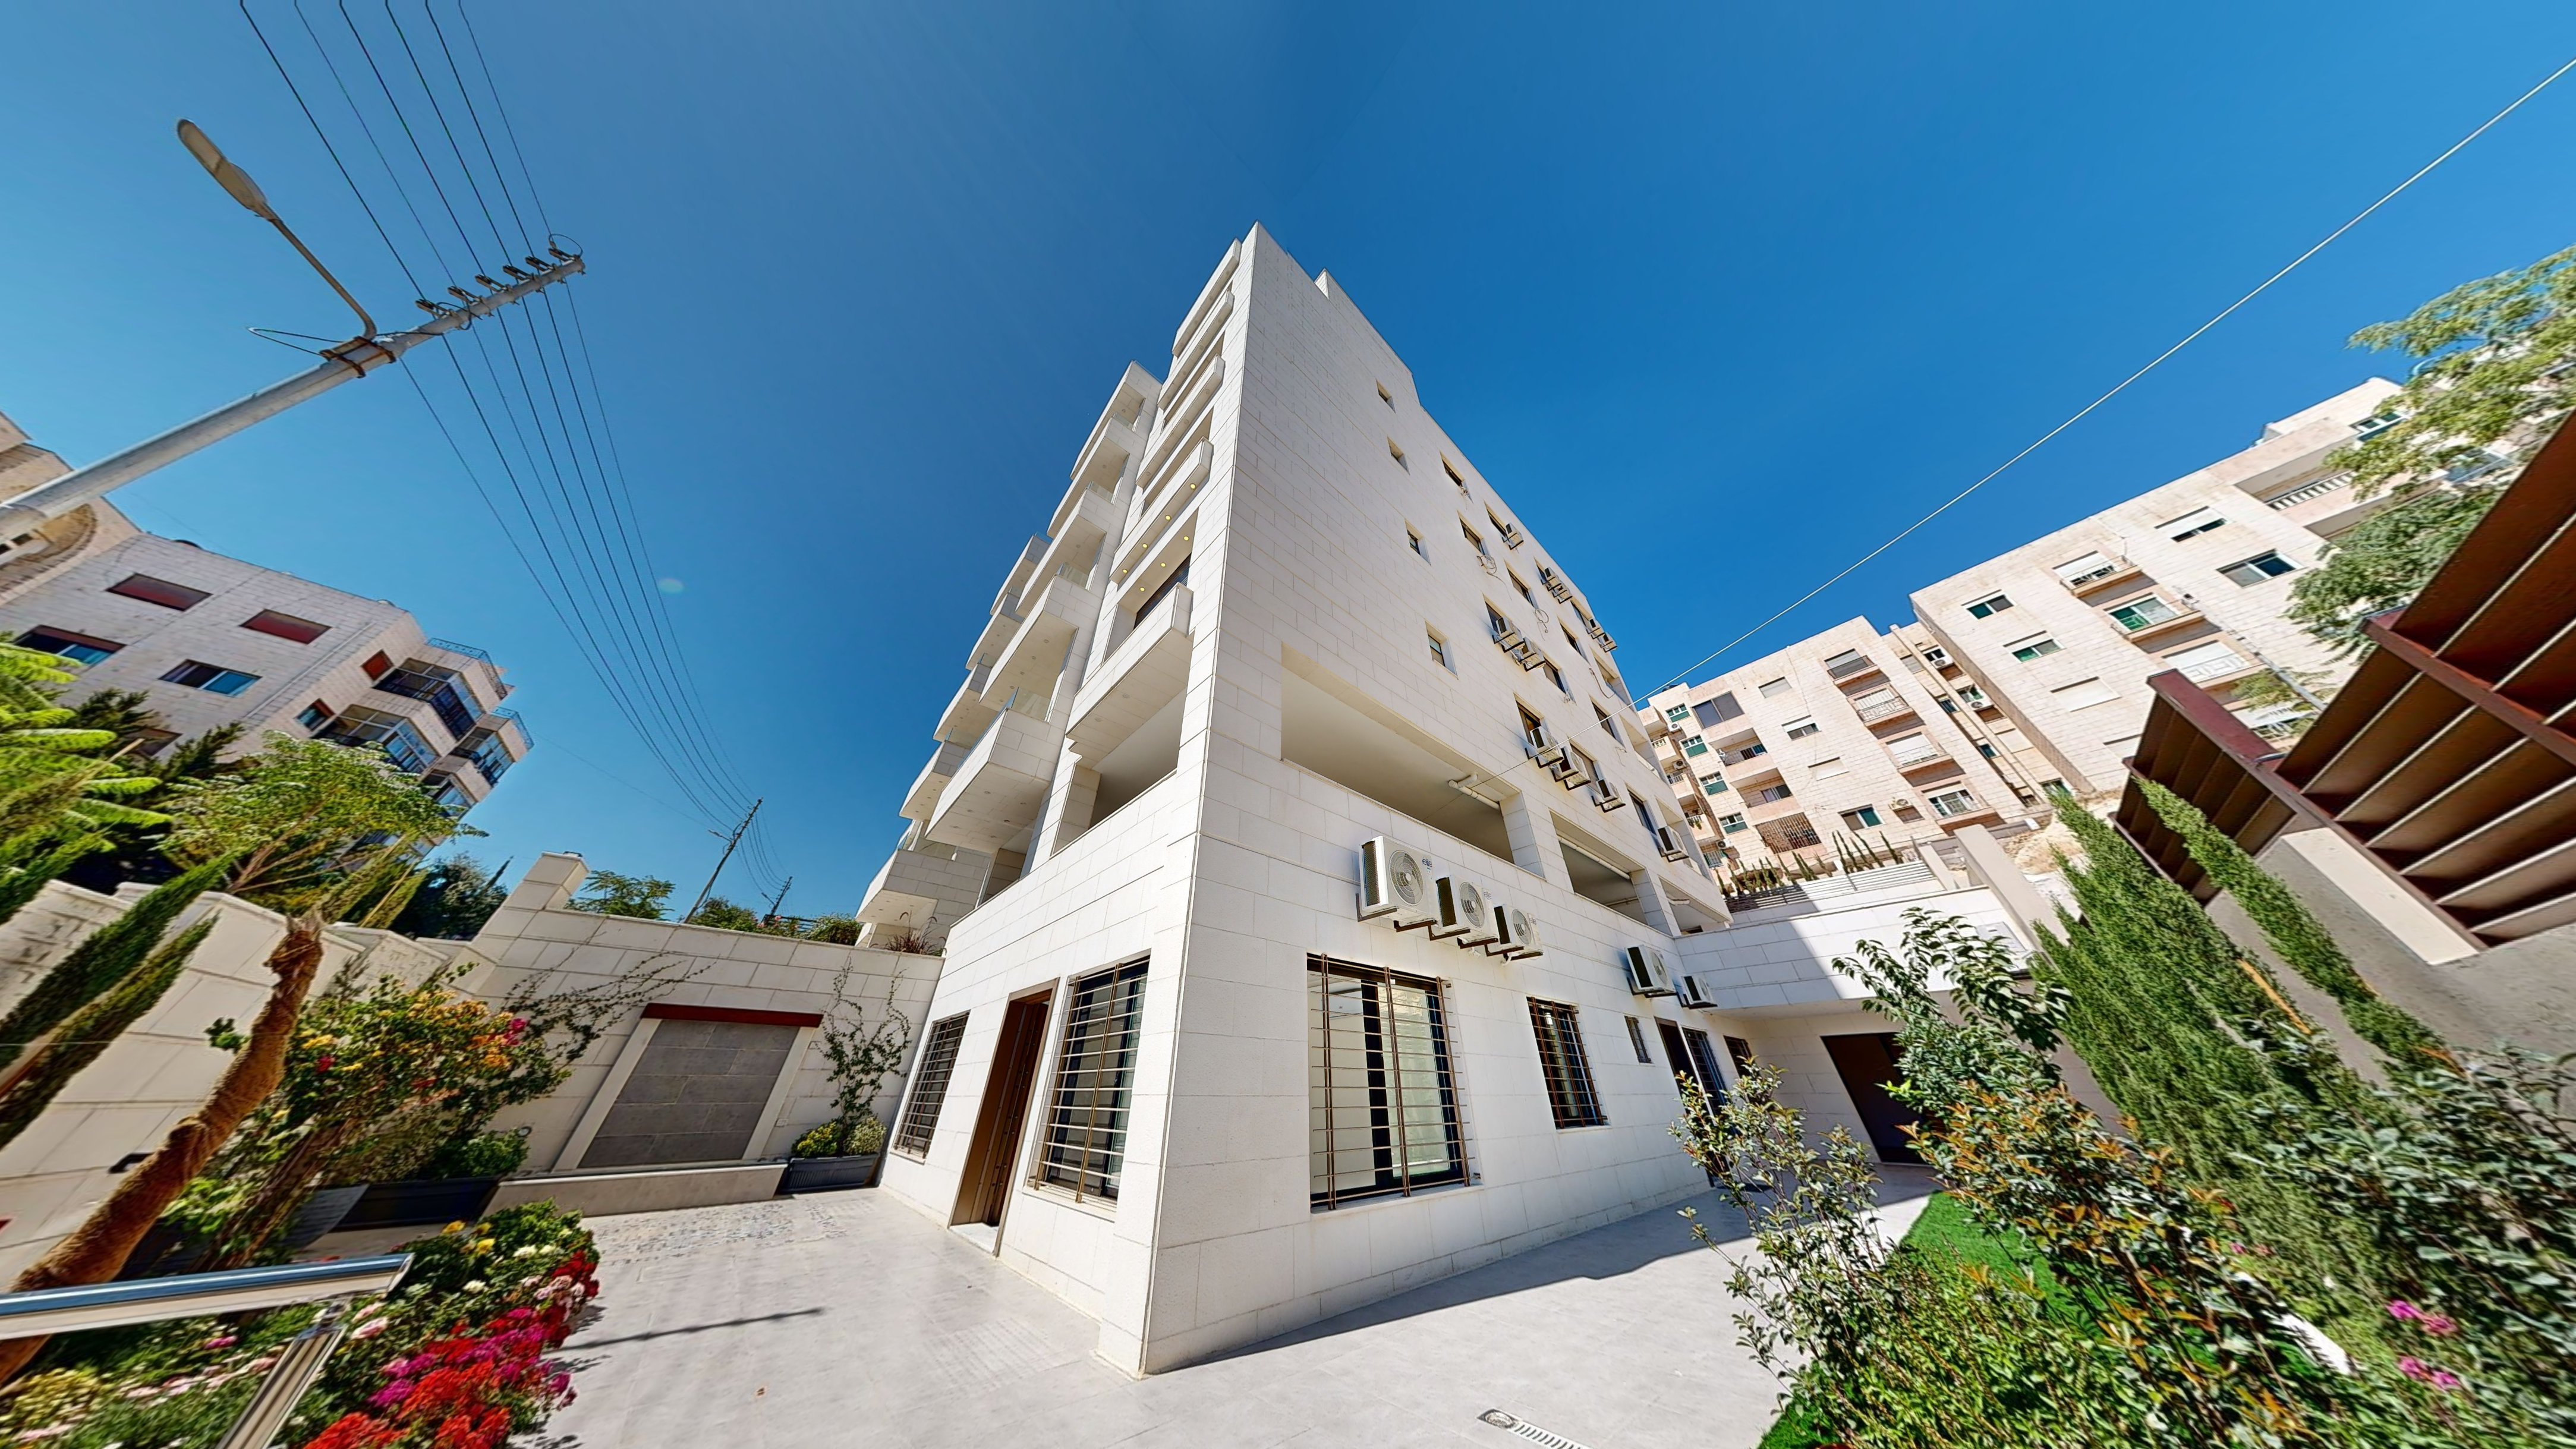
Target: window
(444,689)
(1561,1060)
(1384,1108)
(1768,793)
(1799,729)
(1452,470)
(1585,768)
(1953,802)
(1777,686)
(1914,749)
(1860,819)
(2144,613)
(1713,784)
(1973,697)
(1440,651)
(1703,1060)
(158,591)
(1730,823)
(397,737)
(2196,522)
(2086,569)
(2032,648)
(2248,572)
(1496,625)
(1384,396)
(2083,694)
(1985,749)
(1717,711)
(1695,745)
(1637,1041)
(378,663)
(1827,769)
(1607,727)
(1086,1128)
(1677,713)
(286,626)
(213,678)
(1413,541)
(1522,589)
(1556,677)
(1396,453)
(1474,539)
(1177,577)
(930,1088)
(315,716)
(79,648)
(1989,606)
(1847,664)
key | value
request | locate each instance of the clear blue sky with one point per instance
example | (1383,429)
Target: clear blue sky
(1719,296)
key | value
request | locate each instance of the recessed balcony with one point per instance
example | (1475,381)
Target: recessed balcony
(2095,573)
(999,787)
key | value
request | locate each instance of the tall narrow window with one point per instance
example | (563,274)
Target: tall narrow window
(1383,1107)
(1560,1057)
(930,1089)
(1637,1040)
(1703,1057)
(1095,1075)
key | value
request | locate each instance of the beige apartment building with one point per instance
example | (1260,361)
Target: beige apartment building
(2029,670)
(212,641)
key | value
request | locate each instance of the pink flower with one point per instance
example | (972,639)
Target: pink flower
(370,1328)
(2415,1368)
(221,1340)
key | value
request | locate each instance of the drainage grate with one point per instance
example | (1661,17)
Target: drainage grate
(1531,1432)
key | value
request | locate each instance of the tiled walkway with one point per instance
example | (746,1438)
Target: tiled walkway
(848,1319)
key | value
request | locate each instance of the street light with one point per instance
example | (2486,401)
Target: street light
(236,182)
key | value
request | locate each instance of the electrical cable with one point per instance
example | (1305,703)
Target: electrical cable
(2123,385)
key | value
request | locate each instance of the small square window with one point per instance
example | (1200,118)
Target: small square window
(1452,470)
(379,664)
(1472,535)
(286,626)
(1384,396)
(1413,541)
(1607,727)
(2030,649)
(2192,524)
(1989,606)
(1396,453)
(1730,823)
(159,591)
(1556,677)
(1440,652)
(1777,686)
(1861,819)
(315,717)
(1522,589)
(2249,572)
(1799,729)
(213,678)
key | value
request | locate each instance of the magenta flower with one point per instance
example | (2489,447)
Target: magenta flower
(2415,1368)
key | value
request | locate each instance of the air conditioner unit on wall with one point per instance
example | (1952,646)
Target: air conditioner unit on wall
(1673,845)
(1691,993)
(1607,796)
(1395,882)
(1464,911)
(1541,744)
(1515,935)
(1647,974)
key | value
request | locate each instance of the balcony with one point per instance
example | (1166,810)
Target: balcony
(445,692)
(1000,786)
(967,714)
(2215,668)
(1924,758)
(922,800)
(1030,663)
(1887,709)
(2309,492)
(2152,617)
(1742,753)
(1841,669)
(1140,676)
(2092,575)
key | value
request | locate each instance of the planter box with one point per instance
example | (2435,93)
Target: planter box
(423,1202)
(320,1214)
(823,1174)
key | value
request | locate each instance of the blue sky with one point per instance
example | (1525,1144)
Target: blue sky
(1719,296)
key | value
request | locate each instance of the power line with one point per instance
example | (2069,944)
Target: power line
(2123,385)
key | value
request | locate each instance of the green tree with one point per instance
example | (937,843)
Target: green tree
(301,817)
(724,915)
(105,957)
(456,896)
(92,1030)
(2493,380)
(611,894)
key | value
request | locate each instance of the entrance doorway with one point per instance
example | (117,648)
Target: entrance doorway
(1868,1066)
(985,1187)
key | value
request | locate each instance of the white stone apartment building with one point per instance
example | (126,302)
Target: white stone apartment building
(212,640)
(1322,926)
(1848,737)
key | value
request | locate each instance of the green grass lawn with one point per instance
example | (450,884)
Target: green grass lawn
(1943,1227)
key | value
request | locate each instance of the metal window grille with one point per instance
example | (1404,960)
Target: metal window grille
(1086,1136)
(1560,1057)
(930,1089)
(1382,1105)
(1703,1055)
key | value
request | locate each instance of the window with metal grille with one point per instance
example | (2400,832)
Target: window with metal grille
(1704,1063)
(1095,1074)
(1560,1057)
(1382,1106)
(930,1089)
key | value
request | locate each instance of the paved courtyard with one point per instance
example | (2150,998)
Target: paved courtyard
(848,1319)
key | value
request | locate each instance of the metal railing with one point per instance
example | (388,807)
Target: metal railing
(452,647)
(1857,664)
(198,1295)
(2306,491)
(1884,709)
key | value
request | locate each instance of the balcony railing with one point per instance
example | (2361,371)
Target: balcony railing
(1916,759)
(1857,664)
(468,650)
(2307,492)
(1885,709)
(2219,667)
(1739,756)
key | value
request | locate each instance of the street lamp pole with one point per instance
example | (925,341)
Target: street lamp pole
(22,515)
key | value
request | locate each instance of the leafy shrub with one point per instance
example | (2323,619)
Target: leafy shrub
(843,1138)
(485,1154)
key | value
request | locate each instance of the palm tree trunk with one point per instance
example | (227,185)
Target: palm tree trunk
(276,1197)
(96,1251)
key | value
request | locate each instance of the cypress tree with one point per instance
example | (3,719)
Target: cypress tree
(110,954)
(2296,937)
(23,885)
(92,1030)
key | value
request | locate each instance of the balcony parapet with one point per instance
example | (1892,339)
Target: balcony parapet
(1147,668)
(922,800)
(1000,786)
(1035,655)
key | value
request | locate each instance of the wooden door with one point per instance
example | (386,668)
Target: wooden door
(994,1149)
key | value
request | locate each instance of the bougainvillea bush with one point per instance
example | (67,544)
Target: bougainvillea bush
(454,1358)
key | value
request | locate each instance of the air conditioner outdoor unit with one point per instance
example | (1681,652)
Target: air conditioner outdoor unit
(1541,745)
(1673,846)
(1464,911)
(1554,582)
(1515,935)
(1647,974)
(1530,657)
(1395,881)
(1606,796)
(1513,537)
(1508,638)
(1691,993)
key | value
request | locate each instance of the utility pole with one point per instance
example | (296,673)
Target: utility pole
(779,899)
(22,515)
(730,843)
